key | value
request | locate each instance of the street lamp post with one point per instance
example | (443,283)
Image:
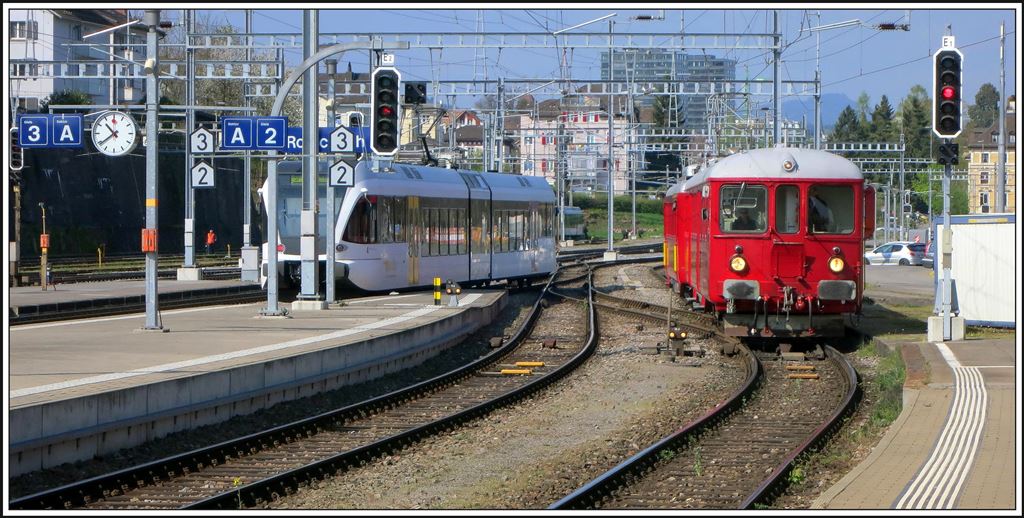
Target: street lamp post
(44,245)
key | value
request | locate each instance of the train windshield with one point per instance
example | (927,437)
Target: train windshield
(743,208)
(830,209)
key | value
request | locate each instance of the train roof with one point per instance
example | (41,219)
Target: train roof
(409,179)
(768,163)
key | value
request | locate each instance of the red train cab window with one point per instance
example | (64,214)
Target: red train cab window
(830,209)
(743,208)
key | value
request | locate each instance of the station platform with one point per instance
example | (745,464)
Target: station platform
(82,388)
(26,302)
(953,445)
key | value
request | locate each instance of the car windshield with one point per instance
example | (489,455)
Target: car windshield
(917,247)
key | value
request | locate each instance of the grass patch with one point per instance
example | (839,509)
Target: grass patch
(889,378)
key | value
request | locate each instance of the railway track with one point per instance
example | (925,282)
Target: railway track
(740,453)
(260,467)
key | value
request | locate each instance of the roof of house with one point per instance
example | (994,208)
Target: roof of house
(982,138)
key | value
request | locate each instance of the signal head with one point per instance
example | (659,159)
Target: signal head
(946,114)
(385,114)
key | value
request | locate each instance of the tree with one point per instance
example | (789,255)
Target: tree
(847,127)
(863,107)
(914,116)
(882,128)
(986,106)
(66,97)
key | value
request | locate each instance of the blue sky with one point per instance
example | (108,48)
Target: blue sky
(854,59)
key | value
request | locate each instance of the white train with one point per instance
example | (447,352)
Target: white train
(402,228)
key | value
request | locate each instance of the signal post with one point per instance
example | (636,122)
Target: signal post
(947,123)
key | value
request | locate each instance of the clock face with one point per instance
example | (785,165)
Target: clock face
(115,134)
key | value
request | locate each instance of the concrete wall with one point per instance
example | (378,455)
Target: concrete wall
(50,434)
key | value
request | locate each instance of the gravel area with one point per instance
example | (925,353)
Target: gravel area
(531,454)
(471,348)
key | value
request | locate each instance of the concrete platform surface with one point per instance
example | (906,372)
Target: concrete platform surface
(954,443)
(904,284)
(85,387)
(77,292)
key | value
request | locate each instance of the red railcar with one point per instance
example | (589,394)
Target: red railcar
(772,241)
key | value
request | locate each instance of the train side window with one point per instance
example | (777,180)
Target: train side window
(830,209)
(743,208)
(787,209)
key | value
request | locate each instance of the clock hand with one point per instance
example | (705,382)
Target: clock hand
(112,131)
(106,139)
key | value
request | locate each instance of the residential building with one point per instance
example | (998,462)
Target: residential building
(584,130)
(52,35)
(982,161)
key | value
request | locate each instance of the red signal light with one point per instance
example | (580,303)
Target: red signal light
(948,92)
(386,111)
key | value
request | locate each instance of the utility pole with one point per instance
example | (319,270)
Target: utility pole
(1001,164)
(560,172)
(903,192)
(777,79)
(250,254)
(610,253)
(190,126)
(817,86)
(332,211)
(309,295)
(152,20)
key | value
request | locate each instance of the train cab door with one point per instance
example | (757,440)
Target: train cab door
(414,226)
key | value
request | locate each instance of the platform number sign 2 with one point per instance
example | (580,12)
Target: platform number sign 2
(342,174)
(202,176)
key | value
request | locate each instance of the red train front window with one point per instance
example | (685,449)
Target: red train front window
(743,208)
(830,209)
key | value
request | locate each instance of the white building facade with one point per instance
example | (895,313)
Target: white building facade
(46,35)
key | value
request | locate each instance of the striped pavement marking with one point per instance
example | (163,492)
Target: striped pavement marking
(938,482)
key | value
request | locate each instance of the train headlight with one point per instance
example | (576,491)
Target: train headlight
(738,263)
(836,264)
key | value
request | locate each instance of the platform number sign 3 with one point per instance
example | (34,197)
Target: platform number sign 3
(201,141)
(202,176)
(342,174)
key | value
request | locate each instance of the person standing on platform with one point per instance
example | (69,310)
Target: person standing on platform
(211,238)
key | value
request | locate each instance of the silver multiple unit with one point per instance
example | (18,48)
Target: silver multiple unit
(400,229)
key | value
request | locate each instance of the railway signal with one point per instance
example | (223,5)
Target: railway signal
(384,116)
(946,117)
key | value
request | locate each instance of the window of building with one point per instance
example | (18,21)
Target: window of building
(24,30)
(984,158)
(983,201)
(983,177)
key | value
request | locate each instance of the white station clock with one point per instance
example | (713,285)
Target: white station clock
(115,133)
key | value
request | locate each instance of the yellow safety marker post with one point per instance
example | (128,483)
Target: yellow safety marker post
(529,364)
(526,372)
(808,376)
(437,291)
(800,367)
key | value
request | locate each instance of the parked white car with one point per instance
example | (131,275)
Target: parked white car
(897,252)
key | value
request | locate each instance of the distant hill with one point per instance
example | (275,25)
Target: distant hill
(831,106)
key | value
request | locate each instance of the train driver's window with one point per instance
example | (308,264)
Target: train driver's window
(830,209)
(743,208)
(787,209)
